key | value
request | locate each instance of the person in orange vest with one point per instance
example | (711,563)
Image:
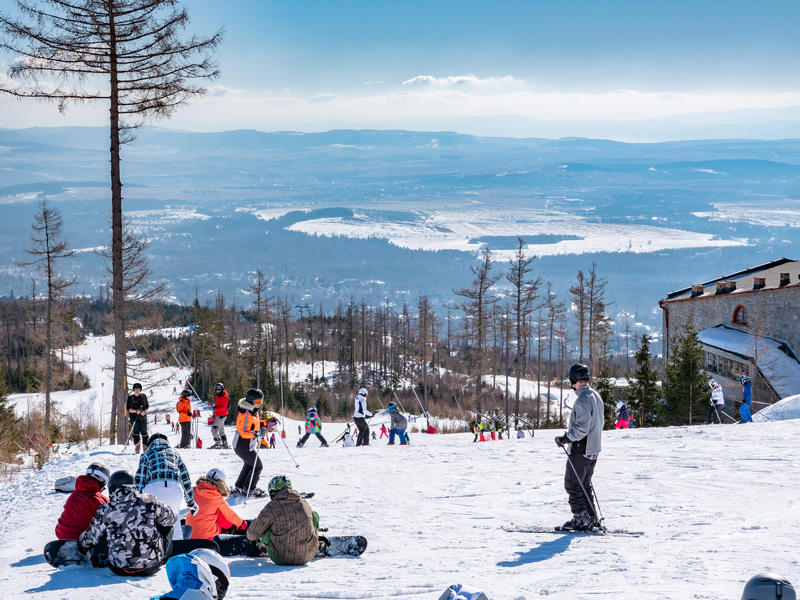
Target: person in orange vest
(245,443)
(185,418)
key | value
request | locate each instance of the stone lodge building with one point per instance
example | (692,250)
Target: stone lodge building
(749,324)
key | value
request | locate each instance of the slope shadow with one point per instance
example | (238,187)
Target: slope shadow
(33,559)
(540,553)
(72,578)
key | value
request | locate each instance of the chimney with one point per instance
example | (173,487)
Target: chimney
(731,285)
(784,279)
(759,282)
(722,288)
(697,290)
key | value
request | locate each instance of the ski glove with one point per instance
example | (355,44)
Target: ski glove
(562,441)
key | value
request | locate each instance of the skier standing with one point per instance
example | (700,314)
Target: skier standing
(221,403)
(214,513)
(716,401)
(184,408)
(245,443)
(747,399)
(163,474)
(286,527)
(313,425)
(623,419)
(133,528)
(584,434)
(398,424)
(384,431)
(81,505)
(360,417)
(137,406)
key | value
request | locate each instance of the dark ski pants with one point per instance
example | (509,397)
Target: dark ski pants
(578,501)
(252,464)
(186,434)
(363,431)
(138,428)
(711,415)
(321,439)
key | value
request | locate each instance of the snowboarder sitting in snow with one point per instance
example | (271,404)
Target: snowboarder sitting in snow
(313,425)
(213,514)
(584,434)
(398,424)
(137,406)
(135,529)
(286,528)
(83,502)
(198,575)
(623,419)
(163,474)
(747,399)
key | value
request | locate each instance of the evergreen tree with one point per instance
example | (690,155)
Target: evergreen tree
(643,392)
(606,372)
(686,392)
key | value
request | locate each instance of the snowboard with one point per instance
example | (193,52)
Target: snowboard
(239,545)
(514,528)
(60,553)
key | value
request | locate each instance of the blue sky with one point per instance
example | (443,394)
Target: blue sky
(484,67)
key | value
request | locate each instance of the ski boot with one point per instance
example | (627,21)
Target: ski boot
(138,447)
(324,445)
(215,446)
(256,493)
(299,444)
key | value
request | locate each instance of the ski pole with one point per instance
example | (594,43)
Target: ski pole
(595,508)
(253,471)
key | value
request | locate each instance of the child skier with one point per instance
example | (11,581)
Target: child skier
(286,528)
(163,474)
(245,443)
(623,419)
(137,406)
(384,431)
(214,513)
(313,425)
(133,528)
(272,442)
(221,403)
(81,505)
(398,424)
(184,408)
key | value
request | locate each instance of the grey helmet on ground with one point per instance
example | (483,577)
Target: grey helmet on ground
(579,372)
(768,586)
(99,472)
(219,568)
(119,479)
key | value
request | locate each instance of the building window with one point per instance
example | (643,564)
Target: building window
(740,316)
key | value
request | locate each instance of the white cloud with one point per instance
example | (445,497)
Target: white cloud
(324,98)
(452,80)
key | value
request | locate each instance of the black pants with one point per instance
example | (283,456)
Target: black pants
(712,416)
(252,464)
(138,428)
(304,439)
(578,501)
(186,434)
(363,431)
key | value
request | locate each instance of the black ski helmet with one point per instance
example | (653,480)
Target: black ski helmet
(157,436)
(186,394)
(219,387)
(137,386)
(253,395)
(119,479)
(99,472)
(768,586)
(579,372)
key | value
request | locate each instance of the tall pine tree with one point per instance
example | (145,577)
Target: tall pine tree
(686,392)
(643,392)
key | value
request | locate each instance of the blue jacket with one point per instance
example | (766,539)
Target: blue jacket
(747,393)
(623,413)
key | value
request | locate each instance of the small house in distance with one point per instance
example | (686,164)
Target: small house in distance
(749,324)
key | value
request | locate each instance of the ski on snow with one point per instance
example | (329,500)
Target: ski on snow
(514,528)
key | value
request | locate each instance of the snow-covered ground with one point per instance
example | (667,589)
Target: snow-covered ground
(716,503)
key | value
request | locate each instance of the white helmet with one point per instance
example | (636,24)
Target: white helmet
(216,474)
(768,586)
(619,403)
(219,568)
(363,392)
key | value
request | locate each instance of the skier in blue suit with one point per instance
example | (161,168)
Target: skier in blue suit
(747,399)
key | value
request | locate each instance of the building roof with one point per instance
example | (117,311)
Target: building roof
(776,360)
(745,281)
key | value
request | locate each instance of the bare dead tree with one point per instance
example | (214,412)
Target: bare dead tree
(48,246)
(128,53)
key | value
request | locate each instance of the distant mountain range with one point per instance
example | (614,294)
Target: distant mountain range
(395,214)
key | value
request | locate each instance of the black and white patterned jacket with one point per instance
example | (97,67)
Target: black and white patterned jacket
(162,463)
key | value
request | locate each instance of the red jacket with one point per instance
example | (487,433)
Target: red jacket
(221,405)
(80,508)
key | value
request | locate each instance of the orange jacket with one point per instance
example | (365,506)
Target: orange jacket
(184,410)
(247,424)
(205,524)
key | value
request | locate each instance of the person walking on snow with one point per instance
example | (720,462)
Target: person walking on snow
(747,399)
(623,419)
(313,425)
(214,513)
(134,529)
(137,406)
(221,402)
(286,528)
(245,443)
(584,434)
(81,505)
(360,417)
(715,403)
(384,431)
(398,424)
(163,474)
(184,408)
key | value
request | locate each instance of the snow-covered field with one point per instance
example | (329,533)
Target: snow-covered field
(716,503)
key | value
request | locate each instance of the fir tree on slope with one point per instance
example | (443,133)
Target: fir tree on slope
(643,392)
(686,393)
(604,385)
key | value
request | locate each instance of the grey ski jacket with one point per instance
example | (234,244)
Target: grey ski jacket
(586,421)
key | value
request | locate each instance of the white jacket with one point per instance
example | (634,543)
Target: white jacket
(361,408)
(716,396)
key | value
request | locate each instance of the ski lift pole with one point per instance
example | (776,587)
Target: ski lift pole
(283,419)
(459,408)
(424,412)
(398,402)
